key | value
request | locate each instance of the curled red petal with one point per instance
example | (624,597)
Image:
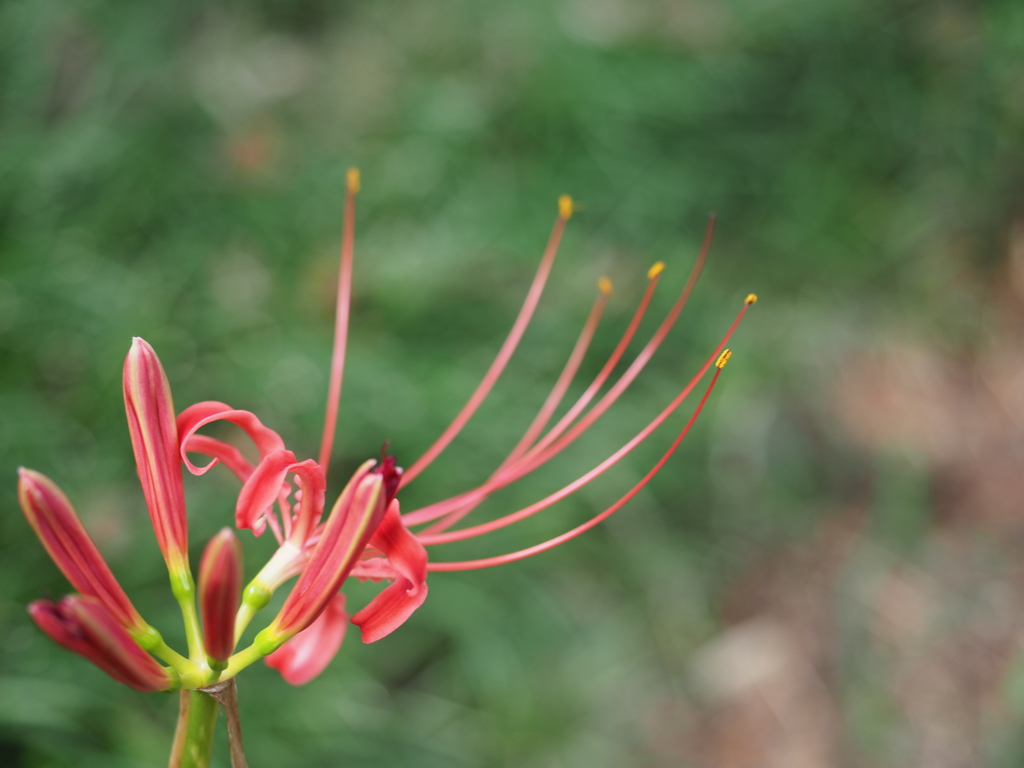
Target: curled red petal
(261,491)
(263,488)
(83,625)
(199,415)
(408,559)
(308,653)
(220,451)
(313,484)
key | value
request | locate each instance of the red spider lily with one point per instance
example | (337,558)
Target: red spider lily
(84,625)
(365,535)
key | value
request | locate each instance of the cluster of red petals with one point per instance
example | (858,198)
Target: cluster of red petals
(264,485)
(392,553)
(363,537)
(84,625)
(352,523)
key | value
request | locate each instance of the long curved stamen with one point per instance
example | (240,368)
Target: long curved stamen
(465,503)
(507,349)
(547,447)
(637,365)
(429,537)
(467,565)
(529,465)
(572,365)
(457,503)
(653,274)
(340,318)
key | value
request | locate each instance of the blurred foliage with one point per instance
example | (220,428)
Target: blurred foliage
(175,171)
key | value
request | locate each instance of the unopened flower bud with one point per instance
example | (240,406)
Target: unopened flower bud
(82,624)
(147,400)
(60,530)
(220,592)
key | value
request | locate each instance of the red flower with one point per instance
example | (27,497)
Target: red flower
(353,521)
(365,535)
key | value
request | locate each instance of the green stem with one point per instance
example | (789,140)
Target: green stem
(245,614)
(196,651)
(172,657)
(241,660)
(198,743)
(184,589)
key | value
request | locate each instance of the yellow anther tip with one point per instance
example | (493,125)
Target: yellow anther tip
(352,177)
(751,299)
(723,359)
(655,270)
(565,207)
(605,286)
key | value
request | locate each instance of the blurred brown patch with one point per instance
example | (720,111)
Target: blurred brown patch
(765,681)
(253,152)
(963,414)
(842,652)
(73,58)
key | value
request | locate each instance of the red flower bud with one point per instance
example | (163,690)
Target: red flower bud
(82,624)
(147,400)
(220,592)
(60,530)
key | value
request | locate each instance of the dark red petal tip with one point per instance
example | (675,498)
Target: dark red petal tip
(390,472)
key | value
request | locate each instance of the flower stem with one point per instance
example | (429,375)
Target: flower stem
(226,694)
(245,614)
(241,660)
(184,589)
(199,719)
(172,657)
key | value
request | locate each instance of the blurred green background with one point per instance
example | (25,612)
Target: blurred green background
(828,573)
